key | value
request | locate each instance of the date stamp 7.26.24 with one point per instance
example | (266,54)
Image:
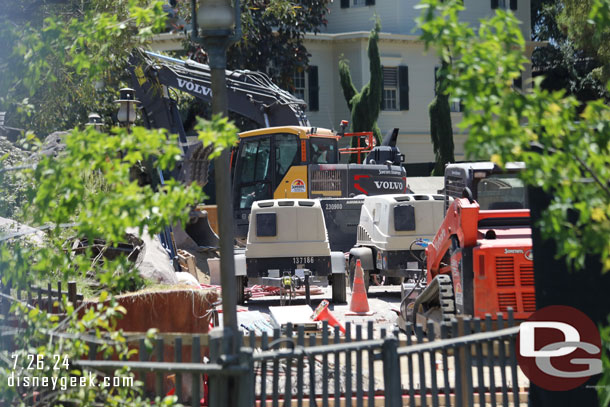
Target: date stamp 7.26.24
(54,372)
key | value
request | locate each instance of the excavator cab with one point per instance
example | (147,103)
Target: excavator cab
(298,162)
(272,163)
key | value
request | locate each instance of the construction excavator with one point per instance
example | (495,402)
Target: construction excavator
(480,260)
(285,158)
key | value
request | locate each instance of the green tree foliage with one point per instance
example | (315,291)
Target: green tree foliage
(562,63)
(366,104)
(272,36)
(575,19)
(87,187)
(441,131)
(61,60)
(565,146)
(273,33)
(60,192)
(503,123)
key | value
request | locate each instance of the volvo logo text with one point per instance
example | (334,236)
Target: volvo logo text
(193,87)
(388,185)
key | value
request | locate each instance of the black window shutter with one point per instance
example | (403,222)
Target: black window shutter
(314,88)
(345,3)
(518,83)
(494,4)
(403,86)
(369,2)
(436,68)
(513,4)
(382,98)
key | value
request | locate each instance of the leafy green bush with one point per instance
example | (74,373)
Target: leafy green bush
(567,153)
(89,187)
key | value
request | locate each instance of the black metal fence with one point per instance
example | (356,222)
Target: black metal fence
(474,367)
(39,296)
(462,363)
(47,299)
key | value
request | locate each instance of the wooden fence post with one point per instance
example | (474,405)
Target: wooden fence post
(72,292)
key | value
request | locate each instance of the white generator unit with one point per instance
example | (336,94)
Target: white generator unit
(389,230)
(288,238)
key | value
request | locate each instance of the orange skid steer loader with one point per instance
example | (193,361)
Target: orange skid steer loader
(479,262)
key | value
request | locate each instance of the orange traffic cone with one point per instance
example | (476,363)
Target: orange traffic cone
(323,314)
(359,303)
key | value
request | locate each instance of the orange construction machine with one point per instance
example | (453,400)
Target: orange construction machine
(480,260)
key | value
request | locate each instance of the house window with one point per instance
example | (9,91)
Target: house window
(455,105)
(298,81)
(390,88)
(356,3)
(504,4)
(395,94)
(305,87)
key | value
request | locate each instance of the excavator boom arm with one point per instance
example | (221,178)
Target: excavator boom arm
(250,94)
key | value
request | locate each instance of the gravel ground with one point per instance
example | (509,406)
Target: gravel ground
(383,300)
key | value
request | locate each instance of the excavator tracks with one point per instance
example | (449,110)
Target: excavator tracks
(437,302)
(196,164)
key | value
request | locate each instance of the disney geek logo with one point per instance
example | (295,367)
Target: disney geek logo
(559,348)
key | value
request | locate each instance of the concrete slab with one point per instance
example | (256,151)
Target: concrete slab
(294,314)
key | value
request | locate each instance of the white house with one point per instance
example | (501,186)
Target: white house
(409,70)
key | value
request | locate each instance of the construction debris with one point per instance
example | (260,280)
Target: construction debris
(322,313)
(13,229)
(254,323)
(297,315)
(154,263)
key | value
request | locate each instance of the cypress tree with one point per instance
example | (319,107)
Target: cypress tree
(366,104)
(440,123)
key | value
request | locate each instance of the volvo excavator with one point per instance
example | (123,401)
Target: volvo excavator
(285,158)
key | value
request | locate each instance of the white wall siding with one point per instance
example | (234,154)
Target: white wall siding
(417,148)
(414,124)
(322,56)
(421,87)
(398,16)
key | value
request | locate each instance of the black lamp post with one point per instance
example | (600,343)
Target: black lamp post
(127,107)
(216,25)
(95,120)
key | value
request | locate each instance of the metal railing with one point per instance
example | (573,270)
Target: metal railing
(443,372)
(39,296)
(390,372)
(462,363)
